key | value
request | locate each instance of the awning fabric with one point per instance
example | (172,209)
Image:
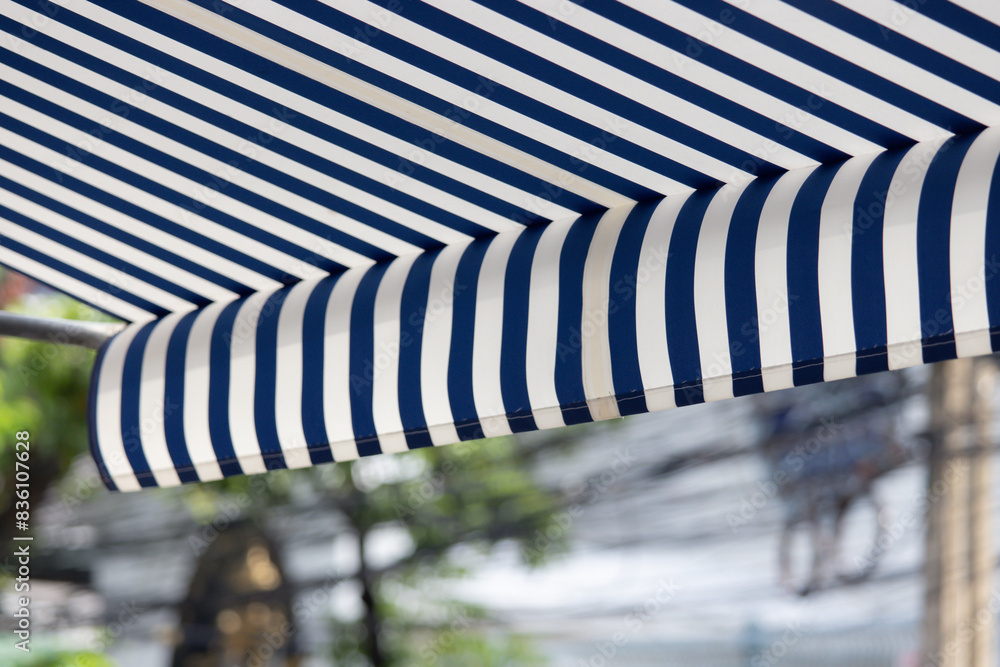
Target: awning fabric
(350,227)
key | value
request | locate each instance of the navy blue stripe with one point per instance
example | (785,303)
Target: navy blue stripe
(266,380)
(217,184)
(962,20)
(524,59)
(688,47)
(122,236)
(992,259)
(130,417)
(313,353)
(95,450)
(458,114)
(800,48)
(741,293)
(169,195)
(514,345)
(909,50)
(571,320)
(296,83)
(933,250)
(254,138)
(218,391)
(363,357)
(460,390)
(568,80)
(867,272)
(100,255)
(627,277)
(802,266)
(155,189)
(414,308)
(682,327)
(125,208)
(82,276)
(173,413)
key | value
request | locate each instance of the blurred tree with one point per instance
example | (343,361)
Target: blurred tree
(435,500)
(469,494)
(43,390)
(474,495)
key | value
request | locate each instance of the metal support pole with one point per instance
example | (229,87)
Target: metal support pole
(54,330)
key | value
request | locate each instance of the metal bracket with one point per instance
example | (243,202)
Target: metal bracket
(61,332)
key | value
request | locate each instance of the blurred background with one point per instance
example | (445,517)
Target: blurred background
(845,523)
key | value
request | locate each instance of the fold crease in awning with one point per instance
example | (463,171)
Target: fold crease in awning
(346,228)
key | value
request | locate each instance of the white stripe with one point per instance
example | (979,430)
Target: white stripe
(435,353)
(272,125)
(108,420)
(386,349)
(880,62)
(969,272)
(693,70)
(198,192)
(154,403)
(595,348)
(337,382)
(229,173)
(111,245)
(588,66)
(836,303)
(99,298)
(710,295)
(288,378)
(771,279)
(405,150)
(650,306)
(542,348)
(242,384)
(820,84)
(118,279)
(434,123)
(140,229)
(906,20)
(899,254)
(442,88)
(154,205)
(605,75)
(488,337)
(197,366)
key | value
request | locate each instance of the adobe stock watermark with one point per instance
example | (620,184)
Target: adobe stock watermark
(387,353)
(590,492)
(984,618)
(605,651)
(32,25)
(624,290)
(911,518)
(306,605)
(773,653)
(431,650)
(793,462)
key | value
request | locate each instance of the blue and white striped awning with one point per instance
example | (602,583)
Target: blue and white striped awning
(348,227)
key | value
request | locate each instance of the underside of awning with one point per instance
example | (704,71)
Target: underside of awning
(354,227)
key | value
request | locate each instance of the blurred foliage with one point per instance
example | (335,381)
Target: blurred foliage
(41,657)
(472,496)
(44,387)
(43,390)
